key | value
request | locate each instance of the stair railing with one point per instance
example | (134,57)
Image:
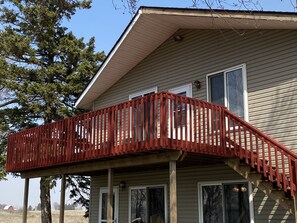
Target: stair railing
(267,156)
(158,121)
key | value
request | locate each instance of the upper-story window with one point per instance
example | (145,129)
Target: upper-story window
(228,88)
(143,93)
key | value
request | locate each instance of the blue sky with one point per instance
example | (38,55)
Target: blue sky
(106,24)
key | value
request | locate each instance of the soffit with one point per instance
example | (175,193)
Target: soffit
(152,26)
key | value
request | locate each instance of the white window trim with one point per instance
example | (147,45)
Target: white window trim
(244,80)
(210,183)
(144,187)
(187,88)
(183,88)
(141,93)
(116,205)
(136,94)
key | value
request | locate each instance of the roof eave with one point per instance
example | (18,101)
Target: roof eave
(151,26)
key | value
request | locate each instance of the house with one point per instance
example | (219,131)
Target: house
(8,208)
(193,120)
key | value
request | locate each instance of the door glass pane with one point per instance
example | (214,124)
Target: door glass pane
(104,207)
(149,110)
(212,204)
(137,110)
(156,209)
(147,205)
(142,118)
(236,203)
(235,92)
(139,204)
(217,89)
(180,109)
(227,203)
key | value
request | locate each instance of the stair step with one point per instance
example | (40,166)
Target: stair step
(255,175)
(266,184)
(278,193)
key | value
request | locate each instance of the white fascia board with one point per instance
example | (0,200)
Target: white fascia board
(100,71)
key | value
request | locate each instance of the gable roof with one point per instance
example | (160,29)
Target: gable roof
(151,26)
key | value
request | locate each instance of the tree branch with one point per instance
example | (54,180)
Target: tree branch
(8,103)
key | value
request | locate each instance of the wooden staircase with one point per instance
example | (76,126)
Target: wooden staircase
(264,184)
(267,164)
(114,131)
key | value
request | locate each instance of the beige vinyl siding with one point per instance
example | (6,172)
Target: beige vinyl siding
(265,209)
(94,200)
(270,57)
(136,179)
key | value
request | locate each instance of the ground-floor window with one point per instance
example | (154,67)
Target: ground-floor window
(225,202)
(147,204)
(103,205)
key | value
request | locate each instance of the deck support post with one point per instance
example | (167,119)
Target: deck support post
(295,206)
(110,196)
(172,191)
(25,204)
(62,199)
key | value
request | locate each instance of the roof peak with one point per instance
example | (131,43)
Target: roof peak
(138,40)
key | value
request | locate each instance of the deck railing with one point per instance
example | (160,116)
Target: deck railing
(158,121)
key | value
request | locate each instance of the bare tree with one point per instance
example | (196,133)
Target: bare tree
(132,5)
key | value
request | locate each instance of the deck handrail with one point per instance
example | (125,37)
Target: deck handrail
(152,122)
(266,155)
(158,121)
(262,134)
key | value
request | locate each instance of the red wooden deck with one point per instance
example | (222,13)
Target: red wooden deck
(158,121)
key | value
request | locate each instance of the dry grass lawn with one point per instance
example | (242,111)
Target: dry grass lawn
(34,217)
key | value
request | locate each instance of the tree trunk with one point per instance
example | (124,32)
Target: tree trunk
(45,200)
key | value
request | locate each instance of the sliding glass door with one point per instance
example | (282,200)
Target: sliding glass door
(224,203)
(147,204)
